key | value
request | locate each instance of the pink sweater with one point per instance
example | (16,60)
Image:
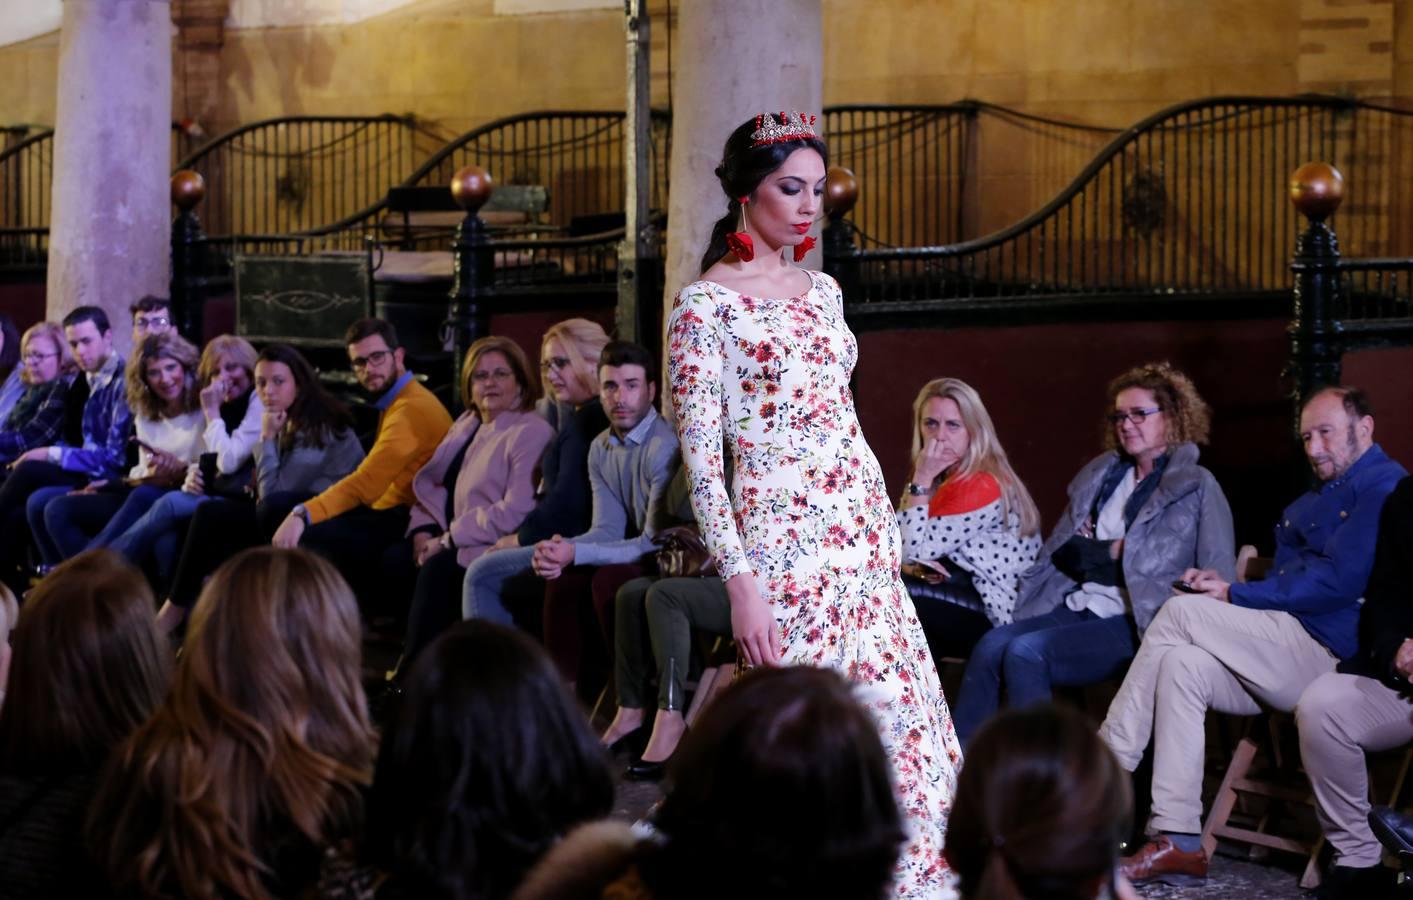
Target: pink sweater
(495,488)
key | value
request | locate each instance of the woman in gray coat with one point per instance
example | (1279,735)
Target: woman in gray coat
(1140,514)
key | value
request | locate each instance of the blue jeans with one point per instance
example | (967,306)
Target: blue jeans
(73,524)
(485,580)
(35,505)
(1062,647)
(156,533)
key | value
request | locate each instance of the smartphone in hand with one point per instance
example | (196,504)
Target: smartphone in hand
(1186,587)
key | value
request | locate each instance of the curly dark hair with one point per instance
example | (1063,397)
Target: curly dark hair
(1188,416)
(488,763)
(785,765)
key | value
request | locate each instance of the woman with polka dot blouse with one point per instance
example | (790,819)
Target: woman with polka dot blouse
(969,526)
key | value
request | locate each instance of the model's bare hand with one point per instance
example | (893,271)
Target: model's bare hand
(752,623)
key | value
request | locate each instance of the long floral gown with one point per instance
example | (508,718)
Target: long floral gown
(812,520)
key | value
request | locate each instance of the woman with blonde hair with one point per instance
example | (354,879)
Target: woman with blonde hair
(88,668)
(163,394)
(969,525)
(569,357)
(37,419)
(1140,514)
(476,489)
(232,413)
(251,772)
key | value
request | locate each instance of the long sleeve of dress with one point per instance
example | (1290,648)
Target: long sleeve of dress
(695,361)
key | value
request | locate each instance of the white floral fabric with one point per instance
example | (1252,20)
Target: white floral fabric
(810,517)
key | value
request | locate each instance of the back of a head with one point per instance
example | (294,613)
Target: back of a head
(487,763)
(89,666)
(786,765)
(264,740)
(1040,808)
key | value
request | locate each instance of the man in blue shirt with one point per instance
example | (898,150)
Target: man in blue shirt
(1238,647)
(46,472)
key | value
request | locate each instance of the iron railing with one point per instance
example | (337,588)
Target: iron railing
(1189,201)
(302,174)
(1375,296)
(26,170)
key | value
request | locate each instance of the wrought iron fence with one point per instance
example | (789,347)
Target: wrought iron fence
(305,173)
(1189,201)
(1375,295)
(26,170)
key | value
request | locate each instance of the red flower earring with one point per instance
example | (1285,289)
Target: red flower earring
(803,247)
(739,241)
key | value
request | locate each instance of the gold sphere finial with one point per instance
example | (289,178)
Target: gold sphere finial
(471,188)
(1316,189)
(841,191)
(188,187)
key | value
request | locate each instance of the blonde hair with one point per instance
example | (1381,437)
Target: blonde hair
(170,345)
(984,452)
(222,347)
(54,332)
(519,367)
(264,736)
(583,341)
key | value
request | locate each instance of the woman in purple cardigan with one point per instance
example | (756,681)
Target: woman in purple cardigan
(478,486)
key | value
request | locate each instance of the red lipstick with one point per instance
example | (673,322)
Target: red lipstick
(801,227)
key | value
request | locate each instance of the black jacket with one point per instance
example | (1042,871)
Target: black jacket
(1386,618)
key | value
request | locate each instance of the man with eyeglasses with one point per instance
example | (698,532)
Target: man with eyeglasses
(1238,648)
(151,316)
(358,518)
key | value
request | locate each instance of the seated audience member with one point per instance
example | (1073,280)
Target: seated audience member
(99,451)
(781,790)
(11,385)
(251,771)
(965,515)
(486,765)
(1238,647)
(37,419)
(306,444)
(232,414)
(1363,707)
(354,522)
(162,391)
(1040,810)
(664,610)
(9,612)
(1139,515)
(630,467)
(88,668)
(569,357)
(151,316)
(478,486)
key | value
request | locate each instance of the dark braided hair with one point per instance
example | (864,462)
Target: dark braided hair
(743,167)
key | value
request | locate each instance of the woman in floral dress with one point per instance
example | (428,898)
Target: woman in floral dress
(760,359)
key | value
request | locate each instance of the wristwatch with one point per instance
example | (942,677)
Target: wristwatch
(301,511)
(916,490)
(445,540)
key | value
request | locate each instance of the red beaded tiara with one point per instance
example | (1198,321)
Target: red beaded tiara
(771,129)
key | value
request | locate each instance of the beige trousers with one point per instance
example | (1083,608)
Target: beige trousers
(1341,717)
(1202,654)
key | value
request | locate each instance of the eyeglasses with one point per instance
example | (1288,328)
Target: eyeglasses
(36,356)
(146,322)
(376,358)
(497,375)
(1135,415)
(556,363)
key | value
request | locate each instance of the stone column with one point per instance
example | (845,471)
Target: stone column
(736,59)
(111,217)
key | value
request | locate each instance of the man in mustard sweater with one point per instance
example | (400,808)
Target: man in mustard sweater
(357,519)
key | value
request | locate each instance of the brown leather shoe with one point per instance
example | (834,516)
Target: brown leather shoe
(1158,860)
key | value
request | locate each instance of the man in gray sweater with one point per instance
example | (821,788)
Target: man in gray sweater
(630,467)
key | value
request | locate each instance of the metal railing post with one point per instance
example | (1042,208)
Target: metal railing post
(841,192)
(472,270)
(188,188)
(1316,190)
